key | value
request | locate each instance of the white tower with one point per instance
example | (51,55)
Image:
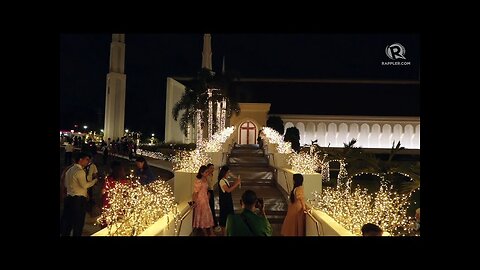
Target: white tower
(207,52)
(115,93)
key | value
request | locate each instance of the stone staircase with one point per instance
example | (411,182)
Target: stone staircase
(250,162)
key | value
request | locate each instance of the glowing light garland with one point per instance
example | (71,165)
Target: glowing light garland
(219,117)
(155,155)
(223,116)
(198,126)
(303,163)
(134,207)
(210,114)
(325,169)
(272,136)
(353,209)
(190,161)
(215,144)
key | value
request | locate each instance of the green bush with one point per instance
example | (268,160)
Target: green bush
(293,135)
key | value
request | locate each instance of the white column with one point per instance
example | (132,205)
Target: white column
(115,90)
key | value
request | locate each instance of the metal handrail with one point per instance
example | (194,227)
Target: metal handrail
(190,209)
(309,212)
(286,182)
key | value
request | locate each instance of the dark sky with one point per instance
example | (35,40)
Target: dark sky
(151,58)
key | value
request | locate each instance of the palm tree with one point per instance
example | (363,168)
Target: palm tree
(358,161)
(196,97)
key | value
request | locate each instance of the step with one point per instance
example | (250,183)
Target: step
(252,173)
(248,159)
(246,146)
(257,182)
(247,151)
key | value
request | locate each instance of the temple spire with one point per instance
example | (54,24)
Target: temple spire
(207,52)
(115,90)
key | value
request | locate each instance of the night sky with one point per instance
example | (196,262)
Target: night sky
(151,58)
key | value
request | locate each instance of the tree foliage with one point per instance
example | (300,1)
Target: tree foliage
(196,97)
(293,135)
(276,123)
(359,161)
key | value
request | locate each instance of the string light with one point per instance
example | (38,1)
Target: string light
(215,144)
(272,136)
(198,126)
(325,166)
(303,163)
(190,161)
(219,117)
(353,209)
(155,155)
(134,207)
(210,114)
(224,114)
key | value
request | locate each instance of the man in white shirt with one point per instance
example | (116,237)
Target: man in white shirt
(76,201)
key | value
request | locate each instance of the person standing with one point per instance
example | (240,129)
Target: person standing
(202,214)
(91,171)
(143,171)
(211,194)
(248,223)
(294,222)
(75,203)
(68,153)
(225,195)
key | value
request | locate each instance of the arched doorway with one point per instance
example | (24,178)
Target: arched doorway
(248,133)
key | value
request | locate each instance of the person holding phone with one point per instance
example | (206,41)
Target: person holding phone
(225,195)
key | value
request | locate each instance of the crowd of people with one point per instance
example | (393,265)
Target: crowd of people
(251,221)
(77,181)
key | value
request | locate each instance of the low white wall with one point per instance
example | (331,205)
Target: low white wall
(311,182)
(166,226)
(183,186)
(320,224)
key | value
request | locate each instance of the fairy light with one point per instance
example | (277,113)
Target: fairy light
(342,174)
(272,136)
(210,114)
(303,163)
(190,161)
(134,207)
(325,166)
(215,144)
(219,116)
(352,209)
(198,126)
(155,155)
(224,114)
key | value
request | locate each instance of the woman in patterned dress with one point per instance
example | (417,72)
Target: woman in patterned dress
(202,218)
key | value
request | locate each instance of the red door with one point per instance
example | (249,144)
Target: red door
(248,132)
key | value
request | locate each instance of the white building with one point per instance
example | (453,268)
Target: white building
(303,105)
